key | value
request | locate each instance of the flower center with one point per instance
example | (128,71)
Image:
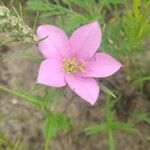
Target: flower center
(71,66)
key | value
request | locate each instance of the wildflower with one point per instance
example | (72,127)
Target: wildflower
(74,61)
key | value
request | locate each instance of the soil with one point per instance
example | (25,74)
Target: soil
(20,120)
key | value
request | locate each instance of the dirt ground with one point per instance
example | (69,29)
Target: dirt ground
(20,120)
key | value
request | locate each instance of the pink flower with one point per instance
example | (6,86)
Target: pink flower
(74,61)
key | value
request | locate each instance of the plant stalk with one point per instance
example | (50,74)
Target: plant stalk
(111,140)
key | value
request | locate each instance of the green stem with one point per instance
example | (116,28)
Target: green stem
(111,140)
(5,89)
(46,144)
(140,80)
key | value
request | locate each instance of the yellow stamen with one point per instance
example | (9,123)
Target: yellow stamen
(72,66)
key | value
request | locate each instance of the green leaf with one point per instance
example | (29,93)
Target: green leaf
(140,80)
(38,5)
(107,2)
(74,21)
(34,99)
(51,13)
(136,6)
(48,9)
(34,88)
(81,3)
(53,123)
(107,91)
(52,94)
(122,126)
(94,129)
(139,116)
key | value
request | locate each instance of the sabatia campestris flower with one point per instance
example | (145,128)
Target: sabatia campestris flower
(74,61)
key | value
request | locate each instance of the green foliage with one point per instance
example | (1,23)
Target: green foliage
(38,5)
(71,13)
(81,3)
(107,91)
(34,99)
(138,116)
(107,2)
(110,125)
(60,11)
(54,122)
(112,39)
(141,80)
(129,127)
(123,36)
(95,129)
(136,24)
(51,95)
(47,9)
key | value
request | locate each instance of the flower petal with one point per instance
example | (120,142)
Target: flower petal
(86,40)
(86,88)
(55,41)
(51,73)
(101,65)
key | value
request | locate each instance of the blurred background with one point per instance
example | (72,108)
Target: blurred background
(125,26)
